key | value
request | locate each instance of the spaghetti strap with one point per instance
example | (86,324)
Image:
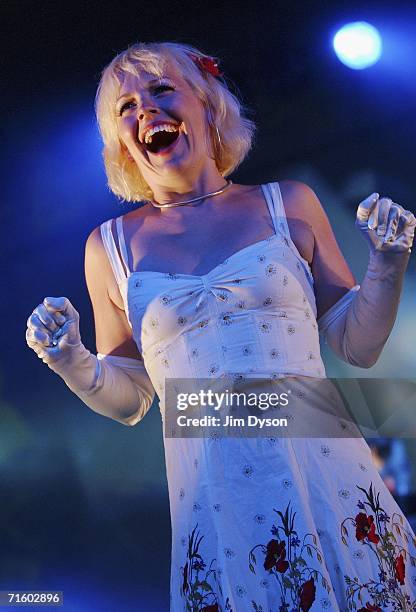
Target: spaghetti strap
(279,209)
(112,252)
(122,243)
(270,204)
(281,226)
(277,212)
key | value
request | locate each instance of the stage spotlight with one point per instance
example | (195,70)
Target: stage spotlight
(358,45)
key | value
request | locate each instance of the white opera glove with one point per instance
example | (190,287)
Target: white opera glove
(116,387)
(358,326)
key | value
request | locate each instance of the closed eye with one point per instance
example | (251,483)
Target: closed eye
(125,106)
(161,88)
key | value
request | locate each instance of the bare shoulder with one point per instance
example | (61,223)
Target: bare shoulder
(95,254)
(94,241)
(301,201)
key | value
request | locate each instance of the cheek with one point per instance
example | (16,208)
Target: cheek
(203,134)
(126,130)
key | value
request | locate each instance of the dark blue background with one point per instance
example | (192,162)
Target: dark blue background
(84,499)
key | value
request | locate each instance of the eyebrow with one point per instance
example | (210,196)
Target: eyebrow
(128,95)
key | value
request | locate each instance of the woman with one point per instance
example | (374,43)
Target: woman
(211,278)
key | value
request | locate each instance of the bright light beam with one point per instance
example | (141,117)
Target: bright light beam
(358,45)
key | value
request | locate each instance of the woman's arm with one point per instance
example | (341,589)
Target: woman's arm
(113,383)
(113,334)
(332,275)
(357,324)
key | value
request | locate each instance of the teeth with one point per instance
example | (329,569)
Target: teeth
(166,127)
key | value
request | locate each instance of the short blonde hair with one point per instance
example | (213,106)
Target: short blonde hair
(227,113)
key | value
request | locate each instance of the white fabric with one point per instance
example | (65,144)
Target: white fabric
(116,387)
(358,326)
(336,311)
(123,387)
(254,315)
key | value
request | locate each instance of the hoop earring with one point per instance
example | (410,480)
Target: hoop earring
(217,144)
(219,137)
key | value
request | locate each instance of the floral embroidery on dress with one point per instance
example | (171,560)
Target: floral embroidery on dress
(260,519)
(285,560)
(375,530)
(223,297)
(265,327)
(165,299)
(271,269)
(214,368)
(226,318)
(200,584)
(248,471)
(171,275)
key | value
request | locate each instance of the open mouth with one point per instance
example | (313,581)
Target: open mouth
(162,140)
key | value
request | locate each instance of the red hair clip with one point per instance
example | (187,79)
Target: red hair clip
(207,64)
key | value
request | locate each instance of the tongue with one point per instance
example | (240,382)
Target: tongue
(162,140)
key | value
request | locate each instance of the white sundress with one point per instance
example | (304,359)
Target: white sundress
(262,524)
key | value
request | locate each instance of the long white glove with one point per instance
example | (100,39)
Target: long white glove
(115,387)
(358,326)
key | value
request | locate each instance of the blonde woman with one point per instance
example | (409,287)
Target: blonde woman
(210,278)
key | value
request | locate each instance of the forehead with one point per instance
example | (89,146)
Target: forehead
(142,78)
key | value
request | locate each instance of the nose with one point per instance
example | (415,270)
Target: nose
(148,111)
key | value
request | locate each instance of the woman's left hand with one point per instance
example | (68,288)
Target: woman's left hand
(387,226)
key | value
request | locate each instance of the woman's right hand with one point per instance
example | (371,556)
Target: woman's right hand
(53,329)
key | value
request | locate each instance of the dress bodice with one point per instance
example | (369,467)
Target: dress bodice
(254,314)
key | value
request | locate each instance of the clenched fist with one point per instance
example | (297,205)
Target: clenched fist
(387,226)
(53,329)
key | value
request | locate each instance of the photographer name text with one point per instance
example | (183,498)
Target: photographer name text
(230,421)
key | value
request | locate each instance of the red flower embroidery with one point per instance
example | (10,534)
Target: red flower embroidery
(399,569)
(371,608)
(365,528)
(307,595)
(212,608)
(275,556)
(282,566)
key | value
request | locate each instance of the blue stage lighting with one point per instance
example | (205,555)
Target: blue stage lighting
(358,45)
